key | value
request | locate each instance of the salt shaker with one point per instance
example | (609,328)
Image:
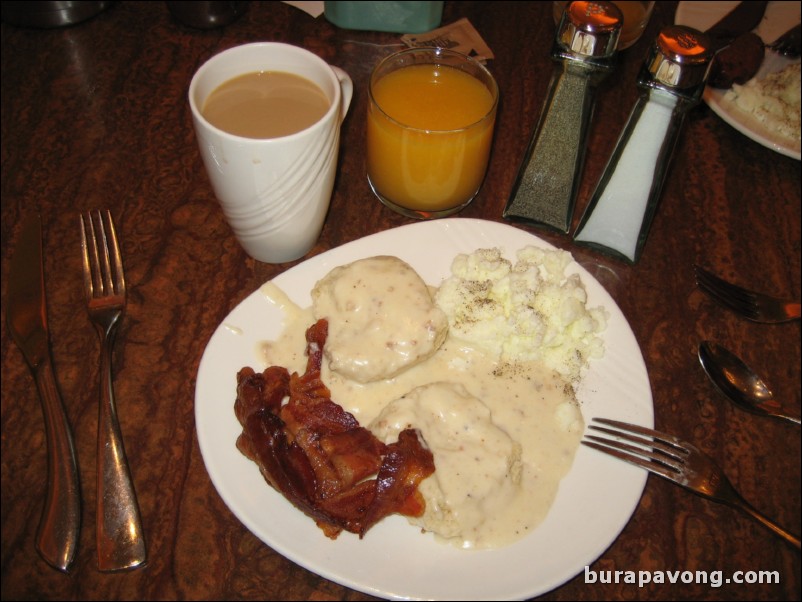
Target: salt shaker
(584,51)
(622,207)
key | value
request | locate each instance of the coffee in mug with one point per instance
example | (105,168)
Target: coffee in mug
(265,104)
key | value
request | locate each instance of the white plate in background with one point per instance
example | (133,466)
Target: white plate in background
(779,18)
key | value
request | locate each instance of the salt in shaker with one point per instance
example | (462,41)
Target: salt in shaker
(584,50)
(622,207)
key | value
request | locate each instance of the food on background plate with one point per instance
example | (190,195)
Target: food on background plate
(773,100)
(496,407)
(738,62)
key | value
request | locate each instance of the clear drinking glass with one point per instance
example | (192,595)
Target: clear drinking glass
(430,124)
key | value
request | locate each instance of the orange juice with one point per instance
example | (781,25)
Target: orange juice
(429,131)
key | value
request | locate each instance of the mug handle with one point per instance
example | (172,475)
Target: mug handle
(347,87)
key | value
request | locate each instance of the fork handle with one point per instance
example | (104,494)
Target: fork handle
(747,508)
(120,539)
(58,532)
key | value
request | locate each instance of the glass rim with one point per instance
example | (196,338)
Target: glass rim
(436,51)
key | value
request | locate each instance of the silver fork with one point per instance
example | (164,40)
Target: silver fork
(750,304)
(787,44)
(120,540)
(675,460)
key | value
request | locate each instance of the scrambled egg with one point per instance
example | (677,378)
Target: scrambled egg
(529,310)
(773,100)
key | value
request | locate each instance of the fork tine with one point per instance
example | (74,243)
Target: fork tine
(93,274)
(116,275)
(657,452)
(669,453)
(88,286)
(716,283)
(724,292)
(611,448)
(741,306)
(675,442)
(103,266)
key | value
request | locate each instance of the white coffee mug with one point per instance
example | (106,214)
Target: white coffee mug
(274,192)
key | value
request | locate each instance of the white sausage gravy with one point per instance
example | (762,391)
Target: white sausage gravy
(503,434)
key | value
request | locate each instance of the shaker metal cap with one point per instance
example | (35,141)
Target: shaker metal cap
(680,57)
(590,29)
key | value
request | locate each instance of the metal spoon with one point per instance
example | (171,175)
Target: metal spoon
(739,383)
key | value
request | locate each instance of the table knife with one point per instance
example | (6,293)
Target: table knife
(740,20)
(26,314)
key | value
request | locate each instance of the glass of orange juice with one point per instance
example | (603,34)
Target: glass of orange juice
(430,126)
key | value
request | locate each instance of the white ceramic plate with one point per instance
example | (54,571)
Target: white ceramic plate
(779,17)
(394,560)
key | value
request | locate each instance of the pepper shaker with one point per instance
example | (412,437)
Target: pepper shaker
(621,209)
(584,51)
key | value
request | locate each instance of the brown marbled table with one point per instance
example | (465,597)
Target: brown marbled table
(96,116)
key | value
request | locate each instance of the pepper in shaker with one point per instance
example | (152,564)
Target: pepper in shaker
(584,51)
(620,211)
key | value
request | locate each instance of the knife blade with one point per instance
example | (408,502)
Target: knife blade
(740,20)
(26,314)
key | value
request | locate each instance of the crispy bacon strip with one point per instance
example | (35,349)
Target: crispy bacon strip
(406,464)
(318,456)
(258,391)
